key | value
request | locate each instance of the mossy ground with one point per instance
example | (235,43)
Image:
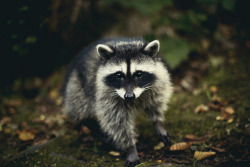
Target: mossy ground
(63,146)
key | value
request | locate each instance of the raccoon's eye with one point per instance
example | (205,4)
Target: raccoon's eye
(138,74)
(119,75)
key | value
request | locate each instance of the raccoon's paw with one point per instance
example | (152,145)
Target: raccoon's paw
(132,163)
(166,139)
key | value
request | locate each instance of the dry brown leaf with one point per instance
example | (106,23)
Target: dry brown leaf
(230,120)
(159,161)
(7,130)
(42,117)
(159,146)
(85,130)
(190,137)
(54,93)
(216,99)
(214,106)
(5,120)
(219,118)
(229,110)
(114,153)
(213,89)
(12,102)
(199,155)
(201,108)
(218,149)
(141,153)
(25,135)
(180,146)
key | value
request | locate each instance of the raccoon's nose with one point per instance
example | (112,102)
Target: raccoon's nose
(129,96)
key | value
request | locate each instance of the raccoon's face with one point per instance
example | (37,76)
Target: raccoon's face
(128,69)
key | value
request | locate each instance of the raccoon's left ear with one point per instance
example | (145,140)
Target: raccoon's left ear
(152,48)
(104,51)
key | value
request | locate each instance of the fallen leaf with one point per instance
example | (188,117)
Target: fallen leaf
(229,110)
(25,135)
(199,155)
(159,146)
(159,161)
(141,153)
(5,120)
(114,153)
(214,106)
(7,130)
(216,99)
(213,89)
(190,137)
(85,130)
(180,146)
(230,120)
(197,92)
(201,108)
(12,102)
(53,93)
(219,118)
(42,117)
(221,150)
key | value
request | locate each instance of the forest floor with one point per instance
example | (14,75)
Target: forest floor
(209,110)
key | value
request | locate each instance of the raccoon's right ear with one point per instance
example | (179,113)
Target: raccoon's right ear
(104,51)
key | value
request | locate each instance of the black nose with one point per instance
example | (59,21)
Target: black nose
(129,96)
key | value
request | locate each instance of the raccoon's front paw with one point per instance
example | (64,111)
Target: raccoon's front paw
(132,163)
(166,139)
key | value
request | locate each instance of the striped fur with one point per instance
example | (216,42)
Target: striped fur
(93,89)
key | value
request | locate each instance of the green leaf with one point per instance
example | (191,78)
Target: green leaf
(174,51)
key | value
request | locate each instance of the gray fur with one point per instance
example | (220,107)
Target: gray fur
(87,96)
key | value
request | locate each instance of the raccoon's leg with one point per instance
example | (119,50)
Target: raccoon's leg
(165,137)
(157,117)
(132,157)
(119,126)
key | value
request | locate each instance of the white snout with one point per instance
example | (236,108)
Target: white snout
(137,91)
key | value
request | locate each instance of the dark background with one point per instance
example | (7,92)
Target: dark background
(40,37)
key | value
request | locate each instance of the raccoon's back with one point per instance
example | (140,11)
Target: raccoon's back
(85,65)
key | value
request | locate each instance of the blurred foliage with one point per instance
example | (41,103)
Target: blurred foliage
(189,23)
(40,37)
(174,50)
(145,7)
(226,4)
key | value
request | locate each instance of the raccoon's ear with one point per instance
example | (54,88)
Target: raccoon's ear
(104,51)
(152,48)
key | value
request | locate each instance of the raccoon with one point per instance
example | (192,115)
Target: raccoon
(114,79)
